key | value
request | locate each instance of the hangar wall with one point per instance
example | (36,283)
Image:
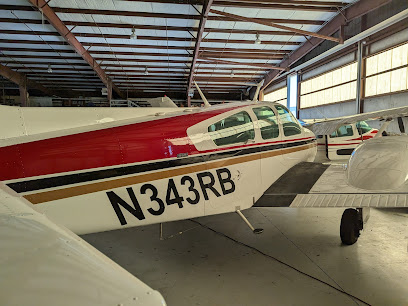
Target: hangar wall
(392,100)
(317,75)
(371,103)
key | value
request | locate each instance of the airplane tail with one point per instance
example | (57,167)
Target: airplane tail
(258,88)
(206,103)
(162,102)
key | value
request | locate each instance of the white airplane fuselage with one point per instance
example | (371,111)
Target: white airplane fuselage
(340,144)
(94,173)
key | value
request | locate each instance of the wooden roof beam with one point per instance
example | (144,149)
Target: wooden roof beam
(62,29)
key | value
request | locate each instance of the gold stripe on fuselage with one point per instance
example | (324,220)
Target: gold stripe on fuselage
(52,195)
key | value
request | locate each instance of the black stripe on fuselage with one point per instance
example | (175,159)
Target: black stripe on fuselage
(68,179)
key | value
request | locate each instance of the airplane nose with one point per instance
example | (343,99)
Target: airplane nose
(379,164)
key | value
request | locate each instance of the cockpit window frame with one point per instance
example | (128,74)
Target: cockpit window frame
(276,121)
(294,120)
(251,132)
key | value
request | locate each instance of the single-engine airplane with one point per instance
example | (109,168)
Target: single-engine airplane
(89,170)
(340,144)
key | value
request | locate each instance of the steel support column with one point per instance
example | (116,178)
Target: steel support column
(201,27)
(299,79)
(359,74)
(109,87)
(23,91)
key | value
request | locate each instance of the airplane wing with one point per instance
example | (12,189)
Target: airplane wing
(42,263)
(328,126)
(320,185)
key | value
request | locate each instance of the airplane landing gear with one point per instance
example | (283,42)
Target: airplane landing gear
(351,225)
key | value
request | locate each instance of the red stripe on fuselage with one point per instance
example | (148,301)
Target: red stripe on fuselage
(365,137)
(145,141)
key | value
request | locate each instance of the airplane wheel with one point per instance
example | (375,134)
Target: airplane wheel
(350,226)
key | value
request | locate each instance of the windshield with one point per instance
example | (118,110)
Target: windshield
(363,127)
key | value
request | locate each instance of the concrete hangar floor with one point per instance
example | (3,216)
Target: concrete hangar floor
(219,261)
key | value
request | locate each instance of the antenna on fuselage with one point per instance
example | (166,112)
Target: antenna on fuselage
(206,103)
(258,88)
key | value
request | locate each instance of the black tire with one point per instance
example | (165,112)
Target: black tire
(349,226)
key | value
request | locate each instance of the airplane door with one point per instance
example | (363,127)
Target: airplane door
(270,136)
(235,168)
(342,142)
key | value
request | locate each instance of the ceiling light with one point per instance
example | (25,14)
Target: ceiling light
(257,40)
(133,35)
(232,73)
(146,72)
(49,68)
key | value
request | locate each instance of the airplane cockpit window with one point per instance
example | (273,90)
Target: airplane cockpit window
(237,128)
(363,127)
(343,131)
(289,123)
(267,122)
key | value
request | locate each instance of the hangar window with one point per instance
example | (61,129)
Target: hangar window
(338,85)
(289,123)
(267,122)
(343,131)
(279,95)
(237,128)
(387,71)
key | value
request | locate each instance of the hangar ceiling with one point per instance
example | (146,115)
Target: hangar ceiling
(155,47)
